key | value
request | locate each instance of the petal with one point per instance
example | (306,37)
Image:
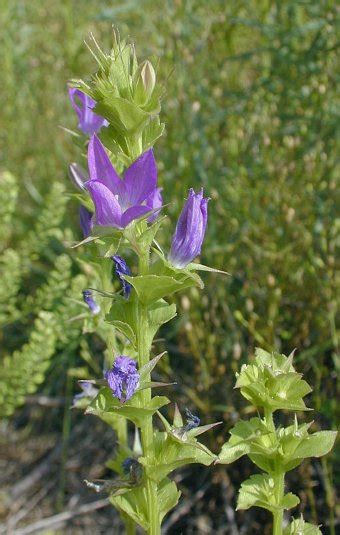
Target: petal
(140,178)
(115,381)
(89,122)
(131,382)
(101,168)
(133,213)
(108,211)
(155,200)
(73,93)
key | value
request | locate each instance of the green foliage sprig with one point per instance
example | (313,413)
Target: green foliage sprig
(33,303)
(271,383)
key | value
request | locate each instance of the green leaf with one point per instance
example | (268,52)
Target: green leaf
(123,315)
(126,117)
(290,500)
(151,132)
(151,288)
(168,497)
(300,527)
(315,445)
(159,313)
(249,437)
(171,453)
(200,267)
(259,491)
(133,503)
(106,406)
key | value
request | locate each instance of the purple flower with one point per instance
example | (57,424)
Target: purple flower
(122,268)
(93,306)
(123,378)
(89,122)
(85,221)
(155,200)
(119,201)
(190,229)
(192,420)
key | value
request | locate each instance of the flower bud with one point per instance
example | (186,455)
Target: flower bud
(190,230)
(148,76)
(88,299)
(122,269)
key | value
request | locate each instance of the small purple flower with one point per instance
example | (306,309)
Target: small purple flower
(85,221)
(88,298)
(122,268)
(190,229)
(119,201)
(192,421)
(89,122)
(123,378)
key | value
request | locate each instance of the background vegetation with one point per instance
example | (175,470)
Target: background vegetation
(250,112)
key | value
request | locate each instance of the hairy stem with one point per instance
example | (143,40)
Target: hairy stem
(279,478)
(147,428)
(120,423)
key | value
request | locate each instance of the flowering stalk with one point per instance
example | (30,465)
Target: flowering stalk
(121,215)
(270,384)
(144,349)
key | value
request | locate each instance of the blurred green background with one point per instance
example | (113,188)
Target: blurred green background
(251,114)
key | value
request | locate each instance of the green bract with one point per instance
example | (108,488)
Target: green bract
(271,383)
(128,96)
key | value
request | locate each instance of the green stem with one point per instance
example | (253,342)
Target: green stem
(121,423)
(279,479)
(147,428)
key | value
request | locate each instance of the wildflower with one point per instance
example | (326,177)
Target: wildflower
(122,268)
(190,229)
(123,378)
(89,122)
(192,421)
(85,221)
(88,298)
(154,201)
(88,391)
(119,201)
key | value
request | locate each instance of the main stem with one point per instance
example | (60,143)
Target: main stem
(121,423)
(147,428)
(279,481)
(279,478)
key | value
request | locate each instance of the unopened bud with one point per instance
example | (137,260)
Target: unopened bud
(148,76)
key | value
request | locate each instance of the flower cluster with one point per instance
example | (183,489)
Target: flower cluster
(123,378)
